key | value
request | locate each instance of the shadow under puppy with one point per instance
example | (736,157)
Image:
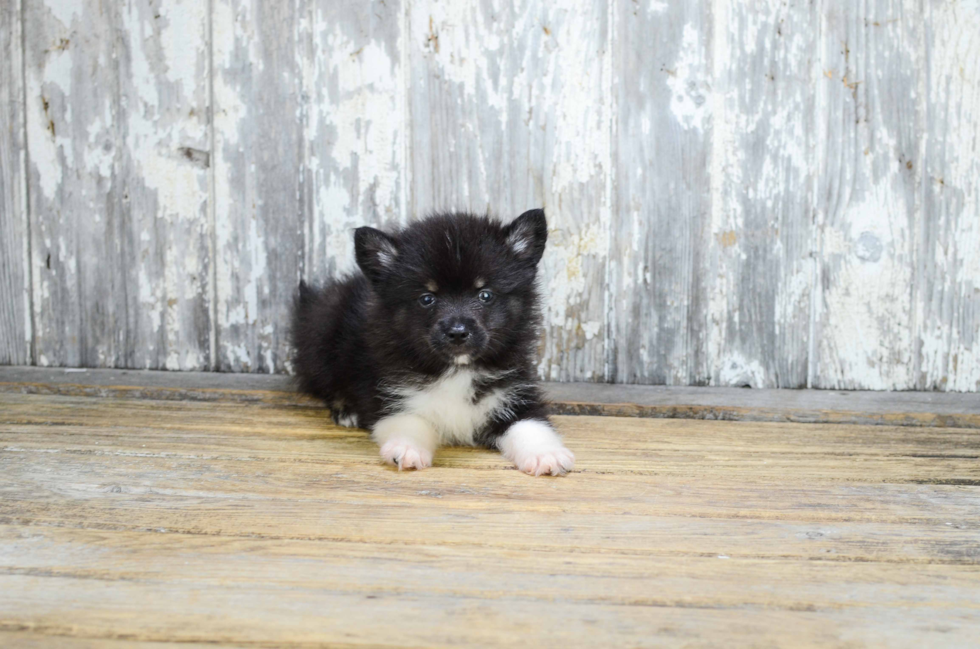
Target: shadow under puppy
(433,343)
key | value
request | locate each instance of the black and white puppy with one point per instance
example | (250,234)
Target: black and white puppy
(433,343)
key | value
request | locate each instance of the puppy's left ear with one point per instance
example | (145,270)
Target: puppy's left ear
(375,252)
(526,236)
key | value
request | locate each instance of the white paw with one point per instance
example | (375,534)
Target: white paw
(554,461)
(406,455)
(347,420)
(536,449)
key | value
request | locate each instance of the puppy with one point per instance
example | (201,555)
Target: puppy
(433,342)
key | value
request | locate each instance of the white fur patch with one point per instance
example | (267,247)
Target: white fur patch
(447,404)
(431,286)
(386,253)
(386,257)
(406,440)
(480,282)
(535,448)
(518,242)
(462,359)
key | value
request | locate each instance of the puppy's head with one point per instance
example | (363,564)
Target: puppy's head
(457,289)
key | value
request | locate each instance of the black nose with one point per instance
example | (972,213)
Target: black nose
(458,333)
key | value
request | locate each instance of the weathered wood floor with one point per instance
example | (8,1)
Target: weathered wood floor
(250,524)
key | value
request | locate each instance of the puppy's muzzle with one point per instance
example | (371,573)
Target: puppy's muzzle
(457,333)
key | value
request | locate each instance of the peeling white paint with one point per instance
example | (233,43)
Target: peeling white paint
(725,172)
(237,355)
(354,130)
(448,32)
(688,82)
(867,338)
(54,83)
(735,370)
(566,284)
(591,329)
(63,10)
(183,45)
(100,152)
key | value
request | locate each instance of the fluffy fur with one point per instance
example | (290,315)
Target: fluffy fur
(433,342)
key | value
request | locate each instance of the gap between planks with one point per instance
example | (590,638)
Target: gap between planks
(926,409)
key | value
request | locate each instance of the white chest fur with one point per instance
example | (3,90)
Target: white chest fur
(449,405)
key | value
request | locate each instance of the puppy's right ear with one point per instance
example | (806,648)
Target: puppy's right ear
(375,252)
(527,235)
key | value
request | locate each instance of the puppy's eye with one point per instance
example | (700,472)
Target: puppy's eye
(485,296)
(427,299)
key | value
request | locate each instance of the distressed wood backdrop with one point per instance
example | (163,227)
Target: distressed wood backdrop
(765,193)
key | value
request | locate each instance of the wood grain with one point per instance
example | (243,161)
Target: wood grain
(760,253)
(118,139)
(23,639)
(355,105)
(871,117)
(948,264)
(663,196)
(238,524)
(893,452)
(71,259)
(16,331)
(259,219)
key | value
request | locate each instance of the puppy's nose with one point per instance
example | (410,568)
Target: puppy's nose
(458,333)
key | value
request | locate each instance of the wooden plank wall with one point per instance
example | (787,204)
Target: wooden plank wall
(16,329)
(781,193)
(117,112)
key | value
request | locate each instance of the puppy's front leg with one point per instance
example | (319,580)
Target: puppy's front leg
(536,449)
(406,441)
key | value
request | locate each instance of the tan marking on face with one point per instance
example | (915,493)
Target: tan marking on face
(480,282)
(431,286)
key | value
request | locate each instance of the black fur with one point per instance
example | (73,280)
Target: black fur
(355,336)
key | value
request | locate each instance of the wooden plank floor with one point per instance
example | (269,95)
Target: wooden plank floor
(248,524)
